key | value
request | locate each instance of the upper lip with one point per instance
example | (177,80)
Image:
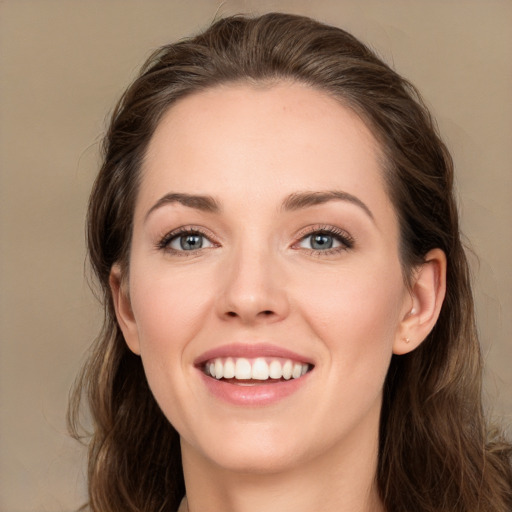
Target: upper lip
(250,351)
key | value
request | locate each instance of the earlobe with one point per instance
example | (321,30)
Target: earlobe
(123,308)
(427,296)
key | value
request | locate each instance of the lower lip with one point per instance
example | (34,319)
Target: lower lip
(253,395)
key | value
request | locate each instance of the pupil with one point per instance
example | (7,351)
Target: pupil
(191,242)
(321,241)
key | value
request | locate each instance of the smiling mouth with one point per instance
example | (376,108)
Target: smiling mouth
(244,371)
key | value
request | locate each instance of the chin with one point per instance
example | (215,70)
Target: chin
(255,450)
(255,461)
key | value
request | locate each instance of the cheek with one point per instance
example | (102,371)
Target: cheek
(356,314)
(356,317)
(169,309)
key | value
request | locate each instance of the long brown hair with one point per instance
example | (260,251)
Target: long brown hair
(435,451)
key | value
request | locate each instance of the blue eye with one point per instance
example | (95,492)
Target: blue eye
(322,241)
(185,241)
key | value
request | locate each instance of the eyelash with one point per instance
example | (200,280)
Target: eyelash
(164,243)
(346,241)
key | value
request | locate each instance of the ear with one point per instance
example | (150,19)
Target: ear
(122,305)
(422,311)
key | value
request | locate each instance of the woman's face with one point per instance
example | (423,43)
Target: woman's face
(265,244)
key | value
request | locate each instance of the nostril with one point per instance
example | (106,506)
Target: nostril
(267,312)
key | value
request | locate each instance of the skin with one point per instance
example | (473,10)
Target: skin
(256,279)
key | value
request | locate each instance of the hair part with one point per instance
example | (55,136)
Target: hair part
(435,453)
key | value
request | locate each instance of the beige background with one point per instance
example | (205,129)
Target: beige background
(62,65)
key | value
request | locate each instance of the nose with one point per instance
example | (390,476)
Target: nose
(253,288)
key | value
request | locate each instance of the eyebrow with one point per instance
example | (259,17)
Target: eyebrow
(300,200)
(203,203)
(295,201)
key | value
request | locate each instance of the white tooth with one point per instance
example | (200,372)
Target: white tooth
(287,370)
(242,369)
(260,369)
(275,370)
(229,368)
(211,369)
(218,369)
(297,370)
(304,369)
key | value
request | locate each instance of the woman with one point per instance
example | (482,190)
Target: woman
(288,315)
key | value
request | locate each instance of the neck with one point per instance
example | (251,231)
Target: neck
(341,480)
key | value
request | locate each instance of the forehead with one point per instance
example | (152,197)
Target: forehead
(262,139)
